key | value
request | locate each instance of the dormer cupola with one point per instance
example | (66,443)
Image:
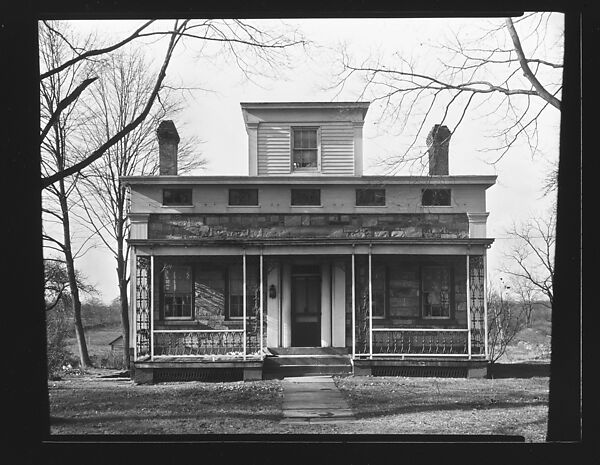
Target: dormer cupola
(305,138)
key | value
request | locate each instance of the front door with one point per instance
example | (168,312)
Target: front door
(306,306)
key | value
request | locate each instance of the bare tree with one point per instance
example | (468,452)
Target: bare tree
(504,323)
(121,92)
(513,68)
(57,151)
(243,41)
(531,259)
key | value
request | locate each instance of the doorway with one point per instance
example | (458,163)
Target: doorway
(306,306)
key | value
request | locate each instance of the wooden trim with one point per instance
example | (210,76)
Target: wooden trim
(244,299)
(468,307)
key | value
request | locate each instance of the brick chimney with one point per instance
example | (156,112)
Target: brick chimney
(438,141)
(168,141)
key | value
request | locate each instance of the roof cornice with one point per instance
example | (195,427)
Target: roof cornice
(481,180)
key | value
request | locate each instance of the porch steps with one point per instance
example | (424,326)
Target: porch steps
(306,361)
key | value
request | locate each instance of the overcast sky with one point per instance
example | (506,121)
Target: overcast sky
(214,114)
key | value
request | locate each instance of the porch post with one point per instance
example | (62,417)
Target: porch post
(485,320)
(261,301)
(353,306)
(244,298)
(133,304)
(326,310)
(370,308)
(468,309)
(151,307)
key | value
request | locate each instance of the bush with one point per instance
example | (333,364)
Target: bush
(57,332)
(114,360)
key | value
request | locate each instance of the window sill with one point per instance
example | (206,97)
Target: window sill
(243,206)
(436,206)
(306,206)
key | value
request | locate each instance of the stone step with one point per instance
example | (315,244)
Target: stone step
(316,360)
(282,371)
(308,351)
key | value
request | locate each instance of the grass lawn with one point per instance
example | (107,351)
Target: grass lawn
(397,405)
(85,405)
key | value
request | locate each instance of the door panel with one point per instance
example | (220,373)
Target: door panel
(306,310)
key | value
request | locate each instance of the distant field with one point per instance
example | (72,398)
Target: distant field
(97,339)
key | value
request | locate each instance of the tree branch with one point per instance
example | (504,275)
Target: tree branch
(547,96)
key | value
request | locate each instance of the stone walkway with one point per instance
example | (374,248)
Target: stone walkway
(314,399)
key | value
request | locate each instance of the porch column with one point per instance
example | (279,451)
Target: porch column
(133,303)
(326,305)
(370,307)
(262,298)
(485,311)
(353,304)
(286,305)
(338,304)
(468,309)
(273,304)
(152,291)
(244,299)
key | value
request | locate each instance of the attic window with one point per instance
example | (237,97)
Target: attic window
(435,198)
(370,197)
(306,197)
(305,149)
(243,197)
(177,196)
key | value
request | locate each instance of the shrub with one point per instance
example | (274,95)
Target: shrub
(57,332)
(113,359)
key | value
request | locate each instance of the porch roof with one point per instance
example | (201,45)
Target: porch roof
(283,246)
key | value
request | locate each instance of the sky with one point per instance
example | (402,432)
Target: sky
(212,112)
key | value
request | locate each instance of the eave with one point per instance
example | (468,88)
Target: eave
(479,180)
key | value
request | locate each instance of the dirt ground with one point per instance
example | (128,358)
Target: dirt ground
(88,404)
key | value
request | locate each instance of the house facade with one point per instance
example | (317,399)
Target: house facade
(306,256)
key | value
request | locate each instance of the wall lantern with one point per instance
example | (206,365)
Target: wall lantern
(272,291)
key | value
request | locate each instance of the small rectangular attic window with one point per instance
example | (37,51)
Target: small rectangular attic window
(436,198)
(177,196)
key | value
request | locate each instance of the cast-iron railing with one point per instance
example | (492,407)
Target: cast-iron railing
(199,343)
(419,342)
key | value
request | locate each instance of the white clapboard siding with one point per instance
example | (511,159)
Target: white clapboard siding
(273,149)
(337,148)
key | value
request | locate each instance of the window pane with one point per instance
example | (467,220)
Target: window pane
(243,196)
(177,291)
(177,196)
(436,292)
(370,197)
(378,282)
(436,197)
(306,197)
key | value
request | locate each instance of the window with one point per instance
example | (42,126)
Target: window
(177,292)
(370,197)
(243,196)
(435,198)
(306,197)
(236,292)
(378,287)
(177,196)
(305,149)
(436,292)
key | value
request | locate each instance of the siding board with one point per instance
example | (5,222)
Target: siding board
(337,148)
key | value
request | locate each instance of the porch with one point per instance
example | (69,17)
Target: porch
(228,306)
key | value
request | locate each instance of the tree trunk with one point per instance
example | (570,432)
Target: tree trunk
(75,300)
(122,277)
(124,311)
